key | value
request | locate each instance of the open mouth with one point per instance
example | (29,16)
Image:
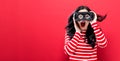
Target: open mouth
(83,23)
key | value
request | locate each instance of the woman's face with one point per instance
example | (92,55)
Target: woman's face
(83,24)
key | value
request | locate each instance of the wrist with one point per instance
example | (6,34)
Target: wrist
(94,22)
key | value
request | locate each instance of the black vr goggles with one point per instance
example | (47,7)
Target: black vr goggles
(84,16)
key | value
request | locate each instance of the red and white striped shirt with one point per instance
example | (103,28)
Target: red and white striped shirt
(78,50)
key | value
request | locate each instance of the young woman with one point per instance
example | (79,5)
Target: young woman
(84,36)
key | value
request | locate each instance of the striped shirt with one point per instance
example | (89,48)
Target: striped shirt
(78,50)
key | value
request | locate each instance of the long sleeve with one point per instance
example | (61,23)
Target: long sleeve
(71,45)
(100,37)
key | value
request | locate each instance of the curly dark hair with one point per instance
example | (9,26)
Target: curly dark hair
(90,35)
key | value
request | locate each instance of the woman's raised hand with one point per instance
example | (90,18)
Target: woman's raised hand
(95,17)
(77,29)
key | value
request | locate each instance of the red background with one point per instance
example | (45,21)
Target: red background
(33,30)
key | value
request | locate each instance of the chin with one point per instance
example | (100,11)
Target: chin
(84,29)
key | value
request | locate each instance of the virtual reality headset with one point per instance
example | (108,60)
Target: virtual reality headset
(84,16)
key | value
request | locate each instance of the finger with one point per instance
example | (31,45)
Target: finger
(74,19)
(95,17)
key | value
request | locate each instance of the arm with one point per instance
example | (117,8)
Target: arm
(71,45)
(100,37)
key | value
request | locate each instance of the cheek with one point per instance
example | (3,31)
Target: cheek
(79,23)
(87,23)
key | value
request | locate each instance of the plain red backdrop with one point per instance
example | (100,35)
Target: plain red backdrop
(33,30)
